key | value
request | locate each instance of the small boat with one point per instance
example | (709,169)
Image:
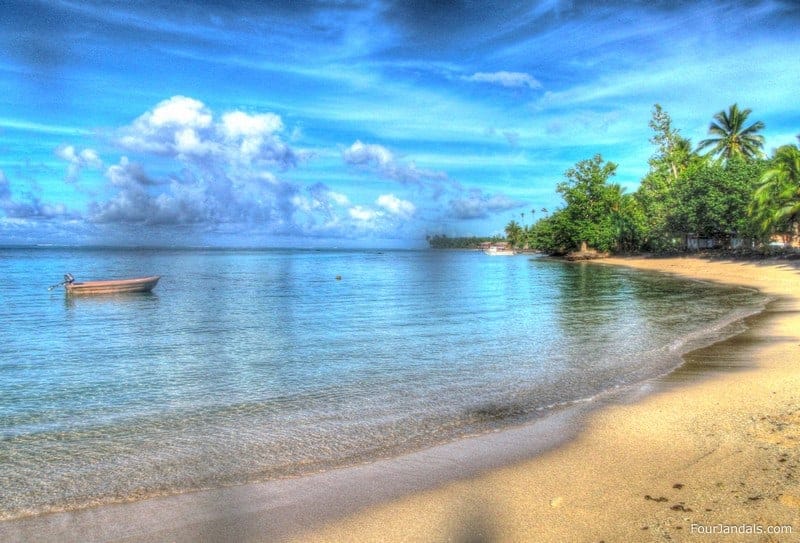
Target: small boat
(499,251)
(117,286)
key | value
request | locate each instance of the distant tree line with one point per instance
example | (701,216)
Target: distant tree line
(723,190)
(445,242)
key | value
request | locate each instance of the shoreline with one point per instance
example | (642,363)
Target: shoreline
(688,455)
(418,496)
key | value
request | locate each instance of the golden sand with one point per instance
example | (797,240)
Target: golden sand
(712,459)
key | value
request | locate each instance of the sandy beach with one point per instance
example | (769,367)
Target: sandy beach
(710,459)
(708,453)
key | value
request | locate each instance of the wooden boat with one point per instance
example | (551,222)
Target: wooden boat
(118,286)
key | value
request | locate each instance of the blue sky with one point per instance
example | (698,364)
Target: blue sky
(349,123)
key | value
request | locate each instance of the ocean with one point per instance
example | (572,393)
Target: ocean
(249,365)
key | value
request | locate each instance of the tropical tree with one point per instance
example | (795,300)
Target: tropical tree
(597,213)
(442,241)
(628,220)
(514,233)
(673,151)
(776,202)
(712,199)
(730,138)
(656,194)
(552,234)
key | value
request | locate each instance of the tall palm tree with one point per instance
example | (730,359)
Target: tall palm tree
(514,232)
(776,202)
(730,138)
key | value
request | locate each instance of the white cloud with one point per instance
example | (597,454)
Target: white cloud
(477,205)
(391,209)
(339,198)
(396,206)
(29,208)
(249,134)
(363,214)
(463,204)
(387,166)
(506,79)
(366,154)
(302,203)
(178,126)
(206,196)
(238,124)
(178,111)
(184,128)
(78,161)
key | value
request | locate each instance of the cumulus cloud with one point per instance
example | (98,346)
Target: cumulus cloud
(225,170)
(368,154)
(31,207)
(506,79)
(395,206)
(338,198)
(477,205)
(210,173)
(134,203)
(175,127)
(77,161)
(185,128)
(254,137)
(463,204)
(322,198)
(362,214)
(389,213)
(208,197)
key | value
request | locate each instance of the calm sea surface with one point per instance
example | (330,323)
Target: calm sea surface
(250,365)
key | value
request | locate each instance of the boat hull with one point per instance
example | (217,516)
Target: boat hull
(121,286)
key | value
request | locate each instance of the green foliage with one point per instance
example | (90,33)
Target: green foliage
(514,233)
(671,159)
(629,224)
(655,197)
(775,206)
(683,193)
(552,235)
(673,152)
(730,139)
(588,201)
(445,242)
(596,212)
(712,199)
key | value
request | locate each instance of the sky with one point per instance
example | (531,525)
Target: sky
(338,123)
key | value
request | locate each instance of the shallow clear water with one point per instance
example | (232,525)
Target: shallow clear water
(247,365)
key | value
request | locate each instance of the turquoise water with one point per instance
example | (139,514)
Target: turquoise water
(250,365)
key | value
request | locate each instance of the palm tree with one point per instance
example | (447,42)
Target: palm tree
(730,138)
(513,232)
(776,202)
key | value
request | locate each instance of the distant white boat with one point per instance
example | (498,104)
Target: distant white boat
(499,250)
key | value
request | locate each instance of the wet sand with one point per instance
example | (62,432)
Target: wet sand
(715,444)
